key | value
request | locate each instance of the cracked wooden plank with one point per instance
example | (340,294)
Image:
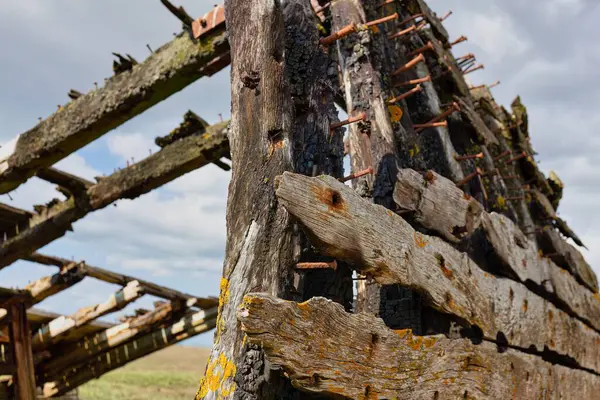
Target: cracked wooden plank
(355,356)
(165,72)
(179,158)
(438,205)
(189,326)
(48,286)
(122,280)
(383,245)
(52,332)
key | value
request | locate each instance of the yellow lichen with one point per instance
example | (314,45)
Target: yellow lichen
(395,113)
(218,378)
(414,151)
(419,240)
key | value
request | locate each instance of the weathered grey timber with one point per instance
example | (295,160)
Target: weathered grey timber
(439,206)
(281,118)
(381,244)
(48,286)
(357,357)
(58,328)
(166,71)
(189,326)
(181,157)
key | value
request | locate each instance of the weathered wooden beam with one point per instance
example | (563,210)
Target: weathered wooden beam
(48,286)
(122,280)
(172,161)
(189,326)
(74,354)
(567,256)
(72,183)
(355,356)
(436,204)
(52,332)
(281,114)
(381,244)
(21,340)
(165,72)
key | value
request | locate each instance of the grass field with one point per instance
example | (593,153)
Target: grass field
(173,374)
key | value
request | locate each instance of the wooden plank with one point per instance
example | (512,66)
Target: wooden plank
(52,332)
(172,161)
(73,355)
(63,179)
(122,280)
(165,72)
(438,205)
(189,326)
(48,286)
(568,257)
(21,339)
(322,349)
(281,113)
(437,27)
(381,244)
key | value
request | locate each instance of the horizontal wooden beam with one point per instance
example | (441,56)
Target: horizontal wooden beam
(436,204)
(172,161)
(52,332)
(189,326)
(73,355)
(323,349)
(165,72)
(50,285)
(122,280)
(68,181)
(381,244)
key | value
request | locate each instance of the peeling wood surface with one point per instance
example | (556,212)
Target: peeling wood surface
(48,286)
(21,340)
(58,328)
(168,70)
(438,205)
(189,326)
(162,167)
(383,245)
(356,356)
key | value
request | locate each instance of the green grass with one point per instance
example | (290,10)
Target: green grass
(173,374)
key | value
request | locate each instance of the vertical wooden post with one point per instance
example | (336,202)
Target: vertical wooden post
(281,113)
(21,340)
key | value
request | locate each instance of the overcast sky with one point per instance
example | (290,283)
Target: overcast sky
(543,50)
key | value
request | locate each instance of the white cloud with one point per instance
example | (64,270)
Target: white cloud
(556,9)
(495,33)
(130,146)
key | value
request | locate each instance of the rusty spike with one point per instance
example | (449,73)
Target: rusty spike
(449,13)
(411,18)
(420,127)
(473,69)
(409,65)
(403,32)
(319,10)
(382,20)
(358,174)
(360,117)
(494,84)
(414,90)
(385,3)
(345,31)
(428,46)
(468,157)
(469,177)
(502,155)
(454,107)
(414,81)
(459,40)
(516,158)
(317,265)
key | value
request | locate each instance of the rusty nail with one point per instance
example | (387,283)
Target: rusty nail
(473,69)
(449,13)
(317,265)
(40,119)
(414,90)
(502,155)
(409,65)
(420,127)
(421,25)
(514,198)
(477,87)
(468,157)
(467,178)
(414,81)
(358,174)
(360,117)
(494,84)
(428,46)
(403,32)
(551,254)
(468,56)
(221,117)
(454,107)
(459,40)
(382,20)
(149,48)
(322,8)
(411,18)
(516,158)
(345,31)
(385,3)
(96,85)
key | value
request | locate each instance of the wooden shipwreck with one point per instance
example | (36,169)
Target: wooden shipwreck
(437,268)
